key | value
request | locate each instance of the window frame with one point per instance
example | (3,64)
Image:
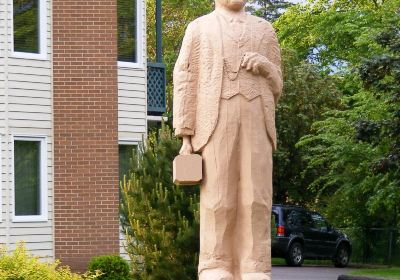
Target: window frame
(42,55)
(43,217)
(139,64)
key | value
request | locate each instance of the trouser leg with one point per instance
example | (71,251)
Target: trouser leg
(253,244)
(218,193)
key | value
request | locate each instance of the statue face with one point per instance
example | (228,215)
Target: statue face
(235,5)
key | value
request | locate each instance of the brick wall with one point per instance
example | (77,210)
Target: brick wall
(85,130)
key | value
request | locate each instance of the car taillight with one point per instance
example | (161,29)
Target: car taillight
(280,231)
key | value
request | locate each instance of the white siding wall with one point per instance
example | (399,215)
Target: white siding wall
(122,243)
(132,102)
(3,163)
(132,92)
(26,106)
(2,68)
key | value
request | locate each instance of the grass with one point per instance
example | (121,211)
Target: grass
(278,261)
(384,273)
(389,273)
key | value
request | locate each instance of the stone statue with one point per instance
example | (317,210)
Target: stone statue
(227,81)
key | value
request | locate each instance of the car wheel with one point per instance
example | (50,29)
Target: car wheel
(294,255)
(342,256)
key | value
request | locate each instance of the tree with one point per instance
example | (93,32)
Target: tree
(337,37)
(270,10)
(381,75)
(161,220)
(307,95)
(336,34)
(357,148)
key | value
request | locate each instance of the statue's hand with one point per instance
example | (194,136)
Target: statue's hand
(255,63)
(186,148)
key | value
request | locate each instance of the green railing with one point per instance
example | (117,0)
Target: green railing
(156,103)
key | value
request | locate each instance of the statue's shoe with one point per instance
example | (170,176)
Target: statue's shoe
(215,274)
(256,276)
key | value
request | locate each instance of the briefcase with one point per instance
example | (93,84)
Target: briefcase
(188,169)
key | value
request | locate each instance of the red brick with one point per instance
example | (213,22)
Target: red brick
(85,130)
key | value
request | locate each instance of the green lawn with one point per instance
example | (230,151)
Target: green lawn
(389,273)
(385,273)
(277,261)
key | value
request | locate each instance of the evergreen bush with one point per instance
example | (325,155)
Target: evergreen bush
(112,267)
(161,220)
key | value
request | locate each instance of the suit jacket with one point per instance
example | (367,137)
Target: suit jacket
(198,76)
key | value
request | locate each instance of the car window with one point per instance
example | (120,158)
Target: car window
(292,218)
(274,219)
(296,218)
(319,222)
(307,221)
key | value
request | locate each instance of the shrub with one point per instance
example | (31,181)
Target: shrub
(19,265)
(112,267)
(160,219)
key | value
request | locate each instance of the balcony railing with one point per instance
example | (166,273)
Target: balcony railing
(156,103)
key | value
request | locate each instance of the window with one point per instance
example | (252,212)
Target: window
(293,218)
(306,220)
(125,156)
(319,222)
(29,28)
(30,178)
(296,219)
(129,32)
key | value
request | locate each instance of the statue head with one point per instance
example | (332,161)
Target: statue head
(234,5)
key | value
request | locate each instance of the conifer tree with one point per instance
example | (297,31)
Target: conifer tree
(161,220)
(269,9)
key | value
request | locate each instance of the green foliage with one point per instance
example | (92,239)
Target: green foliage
(356,149)
(19,265)
(270,10)
(307,95)
(333,34)
(161,220)
(112,267)
(343,163)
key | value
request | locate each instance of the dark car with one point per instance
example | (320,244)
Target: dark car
(301,234)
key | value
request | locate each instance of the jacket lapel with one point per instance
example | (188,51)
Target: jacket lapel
(216,34)
(216,40)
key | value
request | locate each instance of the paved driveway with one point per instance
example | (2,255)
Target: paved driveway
(307,273)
